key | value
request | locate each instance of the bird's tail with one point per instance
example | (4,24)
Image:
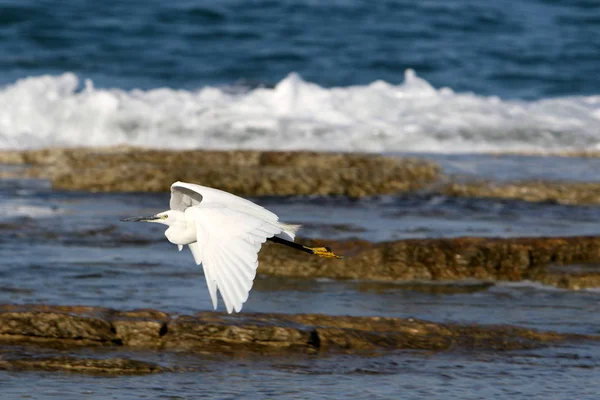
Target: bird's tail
(289,231)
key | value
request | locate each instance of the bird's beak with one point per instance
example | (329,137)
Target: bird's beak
(141,219)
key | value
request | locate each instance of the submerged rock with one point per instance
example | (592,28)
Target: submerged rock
(212,332)
(453,259)
(94,366)
(532,191)
(551,153)
(463,264)
(249,173)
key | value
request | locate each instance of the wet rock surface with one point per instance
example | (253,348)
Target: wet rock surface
(534,191)
(265,173)
(552,153)
(564,262)
(110,342)
(113,332)
(250,173)
(87,365)
(451,259)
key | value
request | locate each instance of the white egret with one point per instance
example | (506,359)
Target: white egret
(224,233)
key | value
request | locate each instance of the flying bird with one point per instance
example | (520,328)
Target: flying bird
(224,233)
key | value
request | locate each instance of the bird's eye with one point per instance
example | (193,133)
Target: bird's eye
(165,216)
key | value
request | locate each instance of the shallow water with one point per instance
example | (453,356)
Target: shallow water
(558,373)
(389,76)
(69,248)
(517,167)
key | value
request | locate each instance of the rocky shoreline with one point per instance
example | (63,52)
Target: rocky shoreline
(29,333)
(272,173)
(551,261)
(573,193)
(571,263)
(96,340)
(247,173)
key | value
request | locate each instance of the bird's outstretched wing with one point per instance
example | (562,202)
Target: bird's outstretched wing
(228,242)
(184,195)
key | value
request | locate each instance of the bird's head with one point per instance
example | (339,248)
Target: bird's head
(166,218)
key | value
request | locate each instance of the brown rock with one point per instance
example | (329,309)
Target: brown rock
(572,276)
(220,333)
(552,153)
(140,328)
(534,191)
(211,332)
(438,259)
(249,173)
(257,173)
(55,326)
(138,333)
(108,366)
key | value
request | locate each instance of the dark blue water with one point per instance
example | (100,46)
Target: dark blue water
(514,49)
(70,248)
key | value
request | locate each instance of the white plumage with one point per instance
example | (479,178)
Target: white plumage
(224,233)
(230,231)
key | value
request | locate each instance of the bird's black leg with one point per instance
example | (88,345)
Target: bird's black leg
(324,252)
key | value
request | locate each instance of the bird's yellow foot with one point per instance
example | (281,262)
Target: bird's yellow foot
(324,252)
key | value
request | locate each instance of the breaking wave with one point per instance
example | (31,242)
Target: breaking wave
(413,116)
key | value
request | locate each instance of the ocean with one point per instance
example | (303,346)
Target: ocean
(435,76)
(449,81)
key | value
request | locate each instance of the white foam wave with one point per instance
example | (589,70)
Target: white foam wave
(501,286)
(11,210)
(410,117)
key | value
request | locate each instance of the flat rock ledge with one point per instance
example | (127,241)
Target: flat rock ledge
(73,328)
(544,259)
(83,365)
(248,173)
(271,173)
(575,193)
(581,153)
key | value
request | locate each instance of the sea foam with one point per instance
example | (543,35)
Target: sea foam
(380,117)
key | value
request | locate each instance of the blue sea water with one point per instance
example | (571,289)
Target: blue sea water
(422,77)
(503,75)
(514,49)
(69,248)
